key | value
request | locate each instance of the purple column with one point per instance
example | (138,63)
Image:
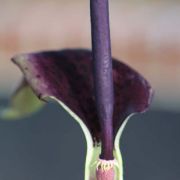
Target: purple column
(102,67)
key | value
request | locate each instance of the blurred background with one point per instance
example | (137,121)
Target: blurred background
(49,145)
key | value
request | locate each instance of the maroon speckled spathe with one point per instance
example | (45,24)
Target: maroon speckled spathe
(67,75)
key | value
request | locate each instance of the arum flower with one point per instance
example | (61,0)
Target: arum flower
(99,92)
(66,77)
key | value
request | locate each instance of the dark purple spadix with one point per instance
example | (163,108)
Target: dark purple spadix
(102,67)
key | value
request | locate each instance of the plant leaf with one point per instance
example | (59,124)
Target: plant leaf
(22,104)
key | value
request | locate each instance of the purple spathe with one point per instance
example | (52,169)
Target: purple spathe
(67,76)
